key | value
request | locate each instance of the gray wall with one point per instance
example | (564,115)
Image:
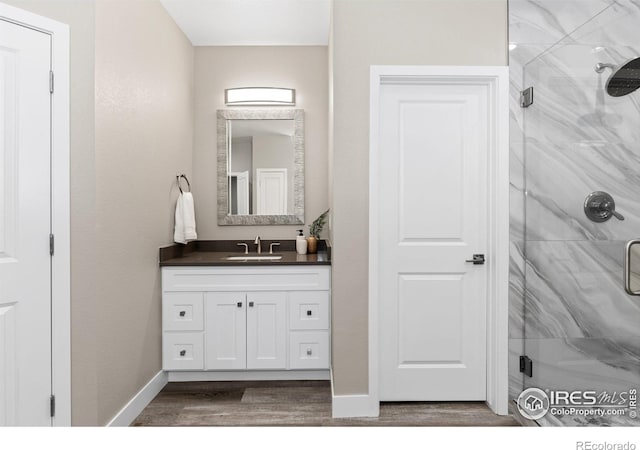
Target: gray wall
(369,33)
(144,129)
(242,149)
(219,68)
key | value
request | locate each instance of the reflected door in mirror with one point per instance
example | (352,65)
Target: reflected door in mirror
(272,191)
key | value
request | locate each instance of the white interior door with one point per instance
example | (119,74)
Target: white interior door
(25,212)
(272,191)
(432,218)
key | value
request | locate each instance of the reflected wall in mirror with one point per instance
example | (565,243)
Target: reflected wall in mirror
(260,167)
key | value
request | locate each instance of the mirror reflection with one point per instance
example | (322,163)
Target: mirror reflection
(260,177)
(260,173)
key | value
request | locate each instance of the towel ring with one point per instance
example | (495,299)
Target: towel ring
(185,179)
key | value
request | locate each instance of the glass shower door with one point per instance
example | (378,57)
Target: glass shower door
(580,326)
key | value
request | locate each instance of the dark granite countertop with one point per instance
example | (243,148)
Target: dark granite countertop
(214,253)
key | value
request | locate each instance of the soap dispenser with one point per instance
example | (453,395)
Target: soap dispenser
(301,243)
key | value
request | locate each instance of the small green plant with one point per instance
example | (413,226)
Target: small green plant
(317,225)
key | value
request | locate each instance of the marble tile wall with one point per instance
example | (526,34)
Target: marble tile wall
(568,309)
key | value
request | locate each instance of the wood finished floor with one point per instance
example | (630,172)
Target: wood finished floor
(295,403)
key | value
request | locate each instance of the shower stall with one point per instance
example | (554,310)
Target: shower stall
(574,330)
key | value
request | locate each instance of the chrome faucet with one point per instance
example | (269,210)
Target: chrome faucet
(257,242)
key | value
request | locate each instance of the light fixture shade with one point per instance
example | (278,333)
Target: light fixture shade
(258,96)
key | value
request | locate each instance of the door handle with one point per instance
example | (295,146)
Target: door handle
(627,267)
(477,259)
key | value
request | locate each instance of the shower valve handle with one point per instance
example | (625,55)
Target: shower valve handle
(610,208)
(600,206)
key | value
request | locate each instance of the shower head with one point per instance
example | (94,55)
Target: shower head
(601,66)
(624,79)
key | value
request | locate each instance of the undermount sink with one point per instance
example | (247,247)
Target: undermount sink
(254,258)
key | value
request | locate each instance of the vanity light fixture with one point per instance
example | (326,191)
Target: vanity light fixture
(260,96)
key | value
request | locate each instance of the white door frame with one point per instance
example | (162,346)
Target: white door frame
(60,222)
(497,80)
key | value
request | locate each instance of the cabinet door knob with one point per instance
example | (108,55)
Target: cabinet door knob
(183,352)
(239,304)
(308,312)
(309,351)
(182,313)
(250,304)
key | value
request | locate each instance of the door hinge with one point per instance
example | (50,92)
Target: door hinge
(52,405)
(51,244)
(526,365)
(51,81)
(526,97)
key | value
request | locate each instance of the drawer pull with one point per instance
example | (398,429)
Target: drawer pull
(239,304)
(183,352)
(308,312)
(309,351)
(182,313)
(250,304)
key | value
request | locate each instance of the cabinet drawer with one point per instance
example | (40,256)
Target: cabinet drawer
(243,279)
(309,350)
(309,310)
(182,351)
(182,311)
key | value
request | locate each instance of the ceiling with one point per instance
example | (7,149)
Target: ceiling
(252,22)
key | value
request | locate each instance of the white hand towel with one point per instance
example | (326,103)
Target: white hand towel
(185,226)
(189,216)
(178,231)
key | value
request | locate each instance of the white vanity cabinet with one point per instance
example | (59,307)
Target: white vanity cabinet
(246,330)
(230,320)
(183,330)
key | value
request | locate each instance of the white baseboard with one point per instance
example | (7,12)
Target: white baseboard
(139,401)
(353,406)
(249,375)
(356,405)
